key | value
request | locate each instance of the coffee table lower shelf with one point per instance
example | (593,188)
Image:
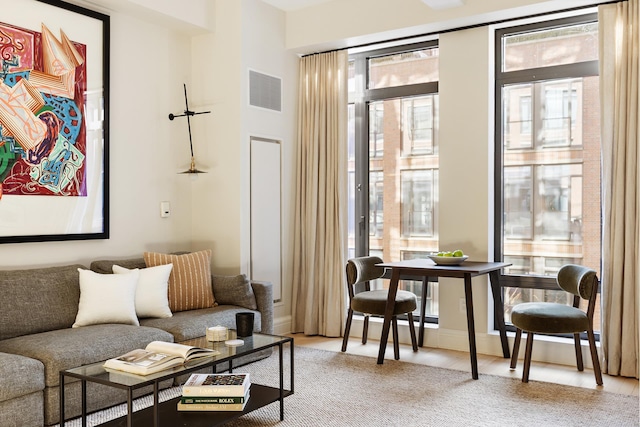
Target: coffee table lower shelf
(169,416)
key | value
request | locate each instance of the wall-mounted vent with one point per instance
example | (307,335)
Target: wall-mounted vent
(265,91)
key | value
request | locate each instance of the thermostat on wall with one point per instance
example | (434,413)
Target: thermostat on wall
(165,209)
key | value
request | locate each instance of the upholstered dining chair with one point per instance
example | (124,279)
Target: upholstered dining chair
(360,271)
(553,318)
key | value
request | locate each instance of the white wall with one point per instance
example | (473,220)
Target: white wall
(249,36)
(465,208)
(263,47)
(344,23)
(216,62)
(148,65)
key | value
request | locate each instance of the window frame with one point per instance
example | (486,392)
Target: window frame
(531,75)
(504,78)
(364,96)
(361,98)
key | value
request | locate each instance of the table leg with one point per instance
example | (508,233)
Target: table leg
(61,398)
(423,311)
(291,352)
(388,313)
(84,403)
(471,326)
(129,407)
(498,310)
(281,360)
(156,405)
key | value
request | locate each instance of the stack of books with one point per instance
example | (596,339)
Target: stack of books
(215,392)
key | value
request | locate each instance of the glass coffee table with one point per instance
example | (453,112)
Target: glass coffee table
(261,394)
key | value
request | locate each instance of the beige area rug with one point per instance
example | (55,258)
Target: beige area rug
(343,390)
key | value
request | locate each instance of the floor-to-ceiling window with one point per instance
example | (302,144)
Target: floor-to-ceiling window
(393,157)
(547,155)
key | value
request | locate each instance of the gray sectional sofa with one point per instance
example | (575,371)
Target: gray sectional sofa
(39,306)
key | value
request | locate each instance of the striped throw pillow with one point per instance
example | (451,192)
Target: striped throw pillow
(190,279)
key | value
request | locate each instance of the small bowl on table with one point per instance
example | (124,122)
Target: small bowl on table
(448,260)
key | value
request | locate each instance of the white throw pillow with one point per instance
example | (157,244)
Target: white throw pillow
(106,298)
(152,295)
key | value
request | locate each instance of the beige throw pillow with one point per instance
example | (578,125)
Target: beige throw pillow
(152,295)
(106,298)
(189,281)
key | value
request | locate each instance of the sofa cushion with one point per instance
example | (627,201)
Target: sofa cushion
(73,347)
(190,279)
(107,298)
(152,299)
(105,266)
(20,376)
(234,290)
(23,411)
(43,299)
(186,325)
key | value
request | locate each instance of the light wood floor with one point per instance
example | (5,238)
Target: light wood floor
(491,365)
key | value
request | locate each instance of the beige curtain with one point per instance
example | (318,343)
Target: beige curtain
(320,228)
(619,63)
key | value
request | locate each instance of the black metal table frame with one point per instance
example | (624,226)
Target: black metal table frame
(467,270)
(171,374)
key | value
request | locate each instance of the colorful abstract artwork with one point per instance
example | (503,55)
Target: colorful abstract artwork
(54,122)
(42,131)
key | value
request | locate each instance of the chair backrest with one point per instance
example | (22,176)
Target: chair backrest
(363,269)
(578,280)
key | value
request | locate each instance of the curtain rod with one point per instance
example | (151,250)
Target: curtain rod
(466,27)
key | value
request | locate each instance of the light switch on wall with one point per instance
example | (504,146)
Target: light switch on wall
(165,209)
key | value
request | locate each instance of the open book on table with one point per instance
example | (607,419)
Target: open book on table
(157,356)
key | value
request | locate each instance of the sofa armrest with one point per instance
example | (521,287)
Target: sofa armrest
(264,299)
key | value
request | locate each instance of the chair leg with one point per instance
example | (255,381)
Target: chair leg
(527,357)
(365,329)
(576,344)
(396,341)
(347,329)
(516,349)
(594,357)
(412,332)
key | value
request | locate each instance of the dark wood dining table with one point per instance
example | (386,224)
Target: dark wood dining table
(466,270)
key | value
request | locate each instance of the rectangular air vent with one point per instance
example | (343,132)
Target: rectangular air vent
(265,91)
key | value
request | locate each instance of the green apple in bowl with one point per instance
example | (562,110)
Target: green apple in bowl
(449,258)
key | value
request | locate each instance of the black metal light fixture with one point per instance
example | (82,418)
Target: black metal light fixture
(188,113)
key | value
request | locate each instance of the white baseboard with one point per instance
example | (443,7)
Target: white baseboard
(282,325)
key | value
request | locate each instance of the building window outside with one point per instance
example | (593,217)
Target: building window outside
(419,115)
(561,109)
(417,200)
(376,129)
(543,202)
(518,202)
(547,155)
(525,115)
(376,204)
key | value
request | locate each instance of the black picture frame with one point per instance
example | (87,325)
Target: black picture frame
(68,195)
